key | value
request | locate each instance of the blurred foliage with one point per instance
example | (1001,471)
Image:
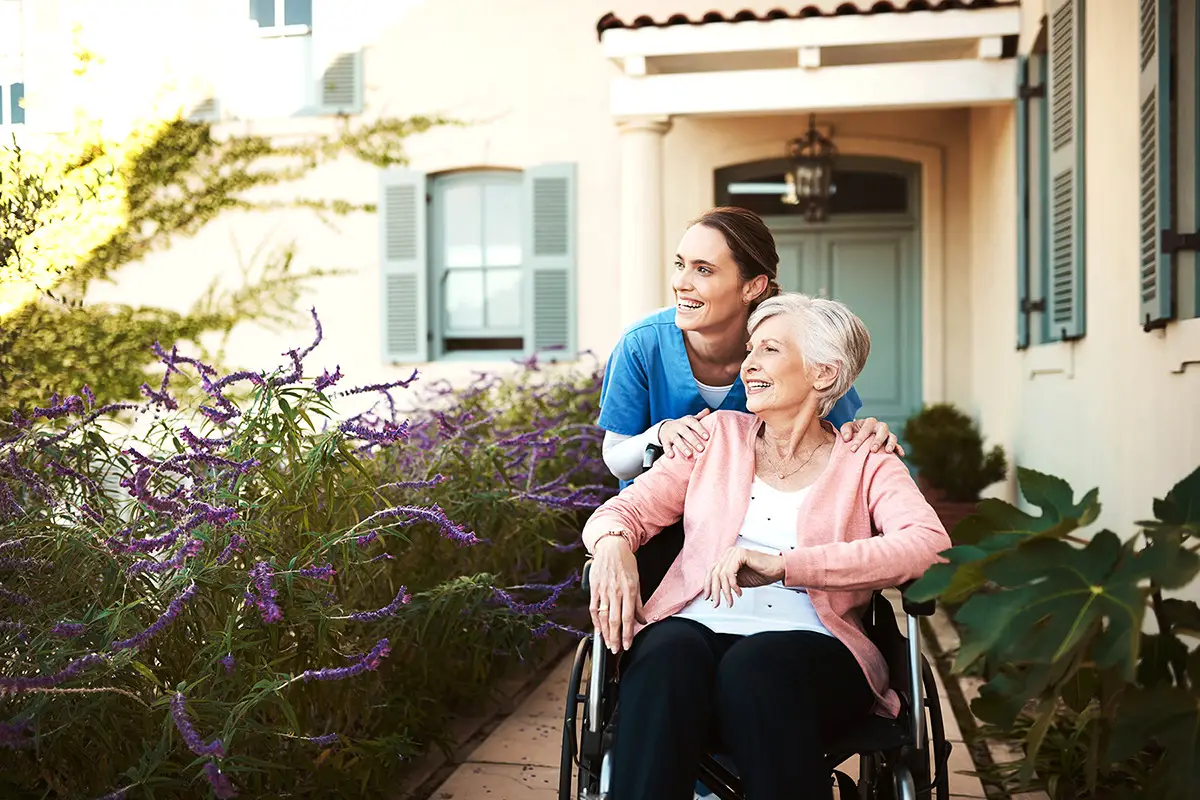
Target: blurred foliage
(1055,624)
(454,518)
(947,448)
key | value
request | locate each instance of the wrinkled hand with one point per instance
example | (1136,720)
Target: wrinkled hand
(739,568)
(684,435)
(859,431)
(616,593)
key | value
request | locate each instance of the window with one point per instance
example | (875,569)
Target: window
(853,191)
(1169,120)
(478,265)
(12,104)
(1050,182)
(301,64)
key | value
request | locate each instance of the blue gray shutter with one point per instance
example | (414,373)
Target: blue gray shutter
(1154,139)
(1066,300)
(404,311)
(1023,300)
(550,254)
(337,58)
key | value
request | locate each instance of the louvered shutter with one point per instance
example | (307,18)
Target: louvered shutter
(1154,137)
(337,56)
(550,254)
(404,308)
(1066,300)
(1022,204)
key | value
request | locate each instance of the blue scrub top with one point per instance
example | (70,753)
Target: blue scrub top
(648,379)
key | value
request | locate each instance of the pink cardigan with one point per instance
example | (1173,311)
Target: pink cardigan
(838,558)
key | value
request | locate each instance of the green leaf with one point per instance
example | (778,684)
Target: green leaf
(1183,616)
(1181,506)
(1079,691)
(1057,597)
(1162,658)
(1171,717)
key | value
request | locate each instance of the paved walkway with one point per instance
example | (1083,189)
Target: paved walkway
(519,761)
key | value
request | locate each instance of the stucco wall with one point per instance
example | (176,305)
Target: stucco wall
(1117,409)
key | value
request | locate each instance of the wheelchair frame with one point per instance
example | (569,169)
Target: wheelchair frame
(902,759)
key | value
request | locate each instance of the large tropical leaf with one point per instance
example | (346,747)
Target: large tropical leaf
(1171,717)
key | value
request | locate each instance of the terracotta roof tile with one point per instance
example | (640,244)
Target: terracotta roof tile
(611,21)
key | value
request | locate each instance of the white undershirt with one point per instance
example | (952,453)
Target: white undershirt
(769,527)
(623,454)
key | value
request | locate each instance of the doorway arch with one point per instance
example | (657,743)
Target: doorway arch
(867,253)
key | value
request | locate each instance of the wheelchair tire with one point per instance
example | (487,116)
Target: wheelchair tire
(570,739)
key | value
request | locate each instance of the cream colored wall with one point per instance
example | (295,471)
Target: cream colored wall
(529,77)
(1117,410)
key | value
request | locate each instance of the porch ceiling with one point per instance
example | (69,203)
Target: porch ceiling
(862,55)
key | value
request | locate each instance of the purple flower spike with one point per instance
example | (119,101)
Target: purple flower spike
(402,598)
(176,605)
(222,787)
(321,573)
(72,669)
(119,794)
(67,630)
(88,395)
(323,741)
(370,661)
(12,734)
(190,737)
(14,598)
(261,574)
(236,545)
(228,663)
(382,387)
(326,380)
(366,539)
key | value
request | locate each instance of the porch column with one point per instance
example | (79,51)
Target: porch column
(642,266)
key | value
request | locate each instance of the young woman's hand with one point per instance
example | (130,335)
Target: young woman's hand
(859,431)
(616,593)
(685,435)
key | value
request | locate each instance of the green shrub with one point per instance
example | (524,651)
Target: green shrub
(1055,624)
(258,594)
(947,448)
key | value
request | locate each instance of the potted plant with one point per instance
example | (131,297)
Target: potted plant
(952,468)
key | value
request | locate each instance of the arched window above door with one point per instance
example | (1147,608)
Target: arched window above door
(861,185)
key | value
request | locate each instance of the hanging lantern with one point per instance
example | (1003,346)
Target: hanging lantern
(810,173)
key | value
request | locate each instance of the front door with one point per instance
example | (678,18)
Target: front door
(873,270)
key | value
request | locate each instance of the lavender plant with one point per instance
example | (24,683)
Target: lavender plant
(259,594)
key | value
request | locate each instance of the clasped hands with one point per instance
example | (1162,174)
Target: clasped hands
(616,602)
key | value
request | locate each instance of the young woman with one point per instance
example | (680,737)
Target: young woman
(678,365)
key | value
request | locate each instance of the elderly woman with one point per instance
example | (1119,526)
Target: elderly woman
(754,635)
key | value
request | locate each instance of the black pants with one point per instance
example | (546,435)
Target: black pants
(771,701)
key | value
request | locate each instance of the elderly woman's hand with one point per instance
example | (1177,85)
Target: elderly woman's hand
(859,431)
(616,594)
(739,568)
(685,435)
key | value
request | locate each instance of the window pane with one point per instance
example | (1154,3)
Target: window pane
(504,298)
(463,300)
(297,12)
(462,226)
(263,12)
(502,225)
(17,115)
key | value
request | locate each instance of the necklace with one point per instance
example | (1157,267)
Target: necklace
(783,476)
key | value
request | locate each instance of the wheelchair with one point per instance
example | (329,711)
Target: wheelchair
(899,759)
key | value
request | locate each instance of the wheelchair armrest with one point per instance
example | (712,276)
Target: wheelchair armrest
(651,455)
(914,609)
(584,578)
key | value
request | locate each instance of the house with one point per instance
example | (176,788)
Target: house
(1015,212)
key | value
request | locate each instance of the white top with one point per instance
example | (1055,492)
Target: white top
(769,527)
(623,454)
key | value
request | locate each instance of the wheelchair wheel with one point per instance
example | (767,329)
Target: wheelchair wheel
(583,750)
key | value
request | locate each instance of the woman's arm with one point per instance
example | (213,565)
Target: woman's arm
(645,507)
(911,537)
(624,455)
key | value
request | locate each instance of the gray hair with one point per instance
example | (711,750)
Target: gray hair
(829,335)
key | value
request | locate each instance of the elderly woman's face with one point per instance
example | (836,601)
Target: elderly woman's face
(707,283)
(774,373)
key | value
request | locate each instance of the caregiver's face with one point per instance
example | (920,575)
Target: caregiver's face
(707,284)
